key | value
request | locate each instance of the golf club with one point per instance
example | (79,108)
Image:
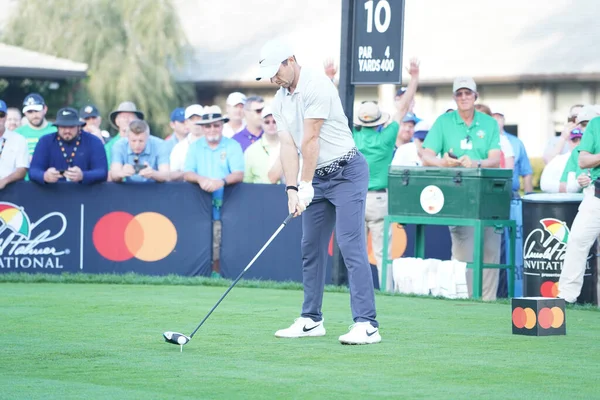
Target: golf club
(181,339)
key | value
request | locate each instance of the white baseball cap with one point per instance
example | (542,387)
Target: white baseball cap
(464,82)
(266,112)
(236,98)
(194,109)
(272,54)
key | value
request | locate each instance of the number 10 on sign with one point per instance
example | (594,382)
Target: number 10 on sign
(377,41)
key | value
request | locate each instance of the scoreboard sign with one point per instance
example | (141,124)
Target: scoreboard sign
(377,42)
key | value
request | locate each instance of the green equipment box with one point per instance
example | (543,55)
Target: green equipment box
(472,193)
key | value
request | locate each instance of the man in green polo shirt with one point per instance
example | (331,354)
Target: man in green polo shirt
(375,137)
(583,180)
(470,139)
(586,226)
(35,109)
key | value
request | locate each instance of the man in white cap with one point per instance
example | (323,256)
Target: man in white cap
(35,109)
(334,181)
(470,139)
(235,111)
(212,163)
(192,115)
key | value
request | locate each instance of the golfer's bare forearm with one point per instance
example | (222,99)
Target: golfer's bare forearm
(588,160)
(289,163)
(310,148)
(310,152)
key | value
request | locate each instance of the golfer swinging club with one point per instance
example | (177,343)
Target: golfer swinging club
(333,180)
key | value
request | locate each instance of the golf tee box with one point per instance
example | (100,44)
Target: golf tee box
(472,193)
(538,316)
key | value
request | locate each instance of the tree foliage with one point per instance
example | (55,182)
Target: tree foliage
(131,48)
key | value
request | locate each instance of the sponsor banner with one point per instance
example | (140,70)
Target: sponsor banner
(110,228)
(546,231)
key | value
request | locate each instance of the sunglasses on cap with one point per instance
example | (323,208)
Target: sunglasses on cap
(2,114)
(212,125)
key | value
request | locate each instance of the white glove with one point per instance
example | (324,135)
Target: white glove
(306,192)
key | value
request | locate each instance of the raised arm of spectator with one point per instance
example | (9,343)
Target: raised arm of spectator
(276,172)
(560,143)
(98,171)
(403,104)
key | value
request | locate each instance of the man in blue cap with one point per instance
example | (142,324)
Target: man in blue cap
(35,109)
(14,157)
(180,129)
(71,154)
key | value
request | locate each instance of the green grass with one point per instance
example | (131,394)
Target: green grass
(103,341)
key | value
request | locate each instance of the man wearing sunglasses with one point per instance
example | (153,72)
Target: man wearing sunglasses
(470,139)
(213,162)
(334,180)
(253,130)
(14,156)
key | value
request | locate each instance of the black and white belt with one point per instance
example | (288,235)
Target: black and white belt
(337,163)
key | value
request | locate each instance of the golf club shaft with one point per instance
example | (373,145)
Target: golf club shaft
(289,217)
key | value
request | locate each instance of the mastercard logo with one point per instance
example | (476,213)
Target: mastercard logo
(547,318)
(549,289)
(120,236)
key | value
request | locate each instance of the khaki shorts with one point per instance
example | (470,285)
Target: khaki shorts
(216,240)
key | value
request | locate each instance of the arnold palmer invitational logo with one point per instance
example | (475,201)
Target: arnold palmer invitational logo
(25,244)
(544,249)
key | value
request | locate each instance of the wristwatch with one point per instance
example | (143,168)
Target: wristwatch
(291,188)
(479,164)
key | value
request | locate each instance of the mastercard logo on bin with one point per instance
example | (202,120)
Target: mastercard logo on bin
(547,318)
(120,236)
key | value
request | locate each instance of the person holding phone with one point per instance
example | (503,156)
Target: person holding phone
(470,139)
(140,158)
(70,155)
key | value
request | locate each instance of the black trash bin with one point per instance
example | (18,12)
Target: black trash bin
(547,221)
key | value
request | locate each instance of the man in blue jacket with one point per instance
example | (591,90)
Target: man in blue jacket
(71,154)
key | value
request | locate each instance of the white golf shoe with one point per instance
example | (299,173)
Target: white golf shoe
(361,333)
(302,327)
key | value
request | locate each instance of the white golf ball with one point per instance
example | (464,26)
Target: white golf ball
(181,340)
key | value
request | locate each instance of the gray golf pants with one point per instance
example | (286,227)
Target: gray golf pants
(339,201)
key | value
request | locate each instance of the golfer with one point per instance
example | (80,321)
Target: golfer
(333,181)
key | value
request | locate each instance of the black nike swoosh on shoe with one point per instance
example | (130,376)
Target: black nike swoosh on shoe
(309,329)
(372,333)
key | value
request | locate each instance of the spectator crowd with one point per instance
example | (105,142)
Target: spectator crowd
(213,149)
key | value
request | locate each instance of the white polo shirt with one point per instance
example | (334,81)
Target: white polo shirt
(15,153)
(179,153)
(315,97)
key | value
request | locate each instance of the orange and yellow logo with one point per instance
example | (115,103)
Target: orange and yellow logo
(549,289)
(547,318)
(120,236)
